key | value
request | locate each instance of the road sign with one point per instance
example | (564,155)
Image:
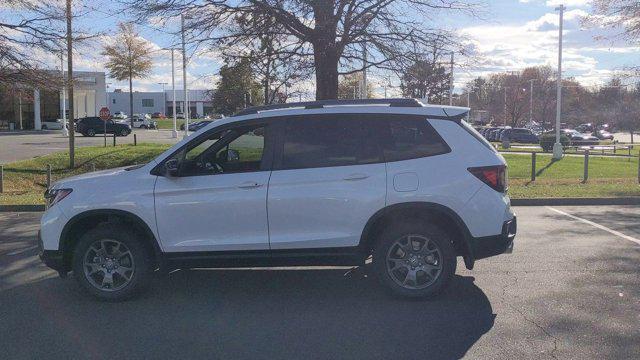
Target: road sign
(105,114)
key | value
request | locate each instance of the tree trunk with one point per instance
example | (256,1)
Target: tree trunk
(131,100)
(325,51)
(326,64)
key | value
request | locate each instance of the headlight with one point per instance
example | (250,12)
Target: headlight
(55,196)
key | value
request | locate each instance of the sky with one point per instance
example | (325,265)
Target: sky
(509,35)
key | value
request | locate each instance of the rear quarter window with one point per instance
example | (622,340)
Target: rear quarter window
(468,128)
(411,138)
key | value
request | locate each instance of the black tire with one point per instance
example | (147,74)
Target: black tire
(44,127)
(124,132)
(90,133)
(446,258)
(144,127)
(141,258)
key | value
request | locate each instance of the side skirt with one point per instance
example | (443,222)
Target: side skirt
(351,256)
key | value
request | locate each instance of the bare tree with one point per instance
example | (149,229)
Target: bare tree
(350,86)
(128,58)
(33,26)
(623,14)
(331,33)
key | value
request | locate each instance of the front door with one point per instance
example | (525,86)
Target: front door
(217,201)
(329,181)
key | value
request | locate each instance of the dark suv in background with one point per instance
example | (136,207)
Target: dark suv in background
(519,135)
(90,126)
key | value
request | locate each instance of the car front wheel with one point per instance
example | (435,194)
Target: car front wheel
(90,132)
(110,263)
(124,132)
(414,259)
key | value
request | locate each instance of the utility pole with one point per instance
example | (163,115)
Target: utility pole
(164,98)
(65,131)
(451,82)
(364,94)
(184,79)
(70,85)
(557,147)
(174,134)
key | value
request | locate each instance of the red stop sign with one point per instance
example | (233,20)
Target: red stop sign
(105,114)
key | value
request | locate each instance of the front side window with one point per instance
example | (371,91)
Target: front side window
(325,141)
(224,152)
(411,138)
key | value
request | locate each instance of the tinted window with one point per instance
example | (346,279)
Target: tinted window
(411,138)
(324,141)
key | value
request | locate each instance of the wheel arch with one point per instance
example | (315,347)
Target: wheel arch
(89,219)
(440,214)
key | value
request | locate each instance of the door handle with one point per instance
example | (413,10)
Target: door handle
(354,177)
(249,185)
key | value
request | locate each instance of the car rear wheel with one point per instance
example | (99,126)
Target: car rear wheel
(414,259)
(124,132)
(110,263)
(90,132)
(44,127)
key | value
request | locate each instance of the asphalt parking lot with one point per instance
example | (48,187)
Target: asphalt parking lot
(25,145)
(570,290)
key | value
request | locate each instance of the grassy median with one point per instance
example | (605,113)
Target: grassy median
(25,181)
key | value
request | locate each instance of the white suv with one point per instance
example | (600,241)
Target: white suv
(410,186)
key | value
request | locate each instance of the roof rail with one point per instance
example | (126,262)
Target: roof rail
(322,103)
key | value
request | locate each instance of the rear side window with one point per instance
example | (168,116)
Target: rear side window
(324,141)
(411,138)
(476,134)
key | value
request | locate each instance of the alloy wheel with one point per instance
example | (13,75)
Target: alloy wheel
(414,262)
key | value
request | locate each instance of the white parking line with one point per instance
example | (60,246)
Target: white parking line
(22,250)
(601,227)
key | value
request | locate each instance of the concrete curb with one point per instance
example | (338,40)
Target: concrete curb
(21,208)
(633,200)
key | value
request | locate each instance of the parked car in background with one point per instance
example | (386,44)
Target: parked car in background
(90,126)
(197,125)
(180,115)
(578,138)
(142,121)
(157,115)
(119,115)
(519,135)
(52,125)
(603,134)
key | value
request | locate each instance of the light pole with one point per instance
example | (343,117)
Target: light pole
(451,82)
(164,98)
(531,100)
(557,147)
(174,133)
(65,131)
(184,79)
(363,91)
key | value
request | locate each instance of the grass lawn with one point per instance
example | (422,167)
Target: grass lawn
(167,124)
(25,181)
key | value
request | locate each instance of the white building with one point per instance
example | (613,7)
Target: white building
(200,102)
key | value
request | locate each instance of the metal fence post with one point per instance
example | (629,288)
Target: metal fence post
(135,140)
(48,176)
(114,139)
(586,166)
(533,166)
(1,179)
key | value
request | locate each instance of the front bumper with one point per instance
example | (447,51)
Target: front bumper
(487,246)
(52,258)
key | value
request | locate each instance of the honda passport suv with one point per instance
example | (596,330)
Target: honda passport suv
(406,186)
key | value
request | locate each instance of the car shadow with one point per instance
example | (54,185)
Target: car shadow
(267,314)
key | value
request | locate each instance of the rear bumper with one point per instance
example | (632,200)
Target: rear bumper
(52,258)
(487,246)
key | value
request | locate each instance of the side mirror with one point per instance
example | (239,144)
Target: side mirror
(171,167)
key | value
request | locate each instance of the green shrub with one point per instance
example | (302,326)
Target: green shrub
(547,140)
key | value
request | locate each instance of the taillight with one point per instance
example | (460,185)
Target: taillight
(494,176)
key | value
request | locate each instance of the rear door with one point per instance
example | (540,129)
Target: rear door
(328,180)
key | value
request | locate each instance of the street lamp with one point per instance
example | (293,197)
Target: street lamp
(174,133)
(164,98)
(184,78)
(557,147)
